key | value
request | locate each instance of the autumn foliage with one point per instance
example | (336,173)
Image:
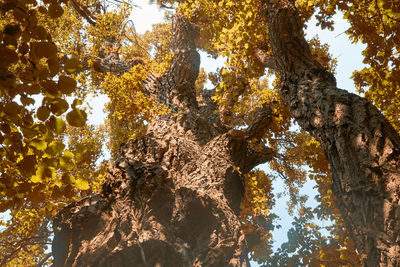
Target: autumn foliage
(55,53)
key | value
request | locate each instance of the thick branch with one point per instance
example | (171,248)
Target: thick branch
(361,146)
(260,124)
(180,79)
(112,64)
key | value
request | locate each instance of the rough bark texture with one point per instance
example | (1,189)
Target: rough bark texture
(172,197)
(361,146)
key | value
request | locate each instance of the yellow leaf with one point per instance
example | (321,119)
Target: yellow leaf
(57,125)
(38,144)
(82,184)
(58,106)
(72,65)
(66,84)
(56,147)
(55,10)
(28,164)
(68,154)
(11,108)
(76,118)
(44,49)
(36,179)
(42,113)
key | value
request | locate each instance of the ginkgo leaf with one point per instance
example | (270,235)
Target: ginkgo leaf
(57,147)
(36,179)
(39,33)
(72,65)
(28,164)
(42,113)
(55,10)
(12,29)
(33,89)
(65,164)
(50,87)
(5,205)
(38,144)
(7,56)
(68,154)
(50,161)
(53,65)
(66,84)
(57,125)
(58,106)
(44,49)
(76,118)
(26,101)
(15,137)
(82,184)
(29,132)
(11,108)
(77,102)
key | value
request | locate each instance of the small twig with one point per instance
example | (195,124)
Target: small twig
(44,259)
(398,20)
(340,34)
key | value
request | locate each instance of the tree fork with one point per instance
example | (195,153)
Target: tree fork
(172,197)
(361,146)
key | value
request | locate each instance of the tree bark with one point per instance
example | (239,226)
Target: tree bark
(361,146)
(172,197)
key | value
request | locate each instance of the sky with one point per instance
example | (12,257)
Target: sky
(349,59)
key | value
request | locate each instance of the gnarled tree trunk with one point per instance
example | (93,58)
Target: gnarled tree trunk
(361,146)
(172,197)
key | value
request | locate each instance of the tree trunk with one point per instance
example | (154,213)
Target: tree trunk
(172,197)
(361,146)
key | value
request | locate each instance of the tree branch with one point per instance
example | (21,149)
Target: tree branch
(112,64)
(84,12)
(48,255)
(361,146)
(259,125)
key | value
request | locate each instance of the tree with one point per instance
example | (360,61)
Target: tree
(183,191)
